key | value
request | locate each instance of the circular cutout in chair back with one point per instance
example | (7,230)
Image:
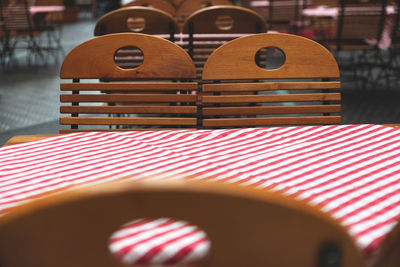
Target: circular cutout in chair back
(224,22)
(136,24)
(128,57)
(270,58)
(159,241)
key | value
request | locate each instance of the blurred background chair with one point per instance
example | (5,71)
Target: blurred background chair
(247,227)
(50,22)
(153,94)
(159,4)
(27,28)
(19,31)
(347,30)
(300,90)
(188,7)
(210,27)
(282,15)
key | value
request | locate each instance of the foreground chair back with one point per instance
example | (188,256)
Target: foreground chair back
(210,27)
(247,227)
(297,92)
(137,19)
(389,254)
(163,5)
(152,91)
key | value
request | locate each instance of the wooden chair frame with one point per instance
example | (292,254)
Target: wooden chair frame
(343,42)
(305,61)
(389,254)
(155,21)
(246,226)
(158,86)
(204,35)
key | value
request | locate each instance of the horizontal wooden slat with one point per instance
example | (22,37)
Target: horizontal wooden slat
(66,131)
(304,109)
(125,98)
(266,86)
(271,98)
(127,121)
(206,53)
(210,45)
(129,52)
(127,60)
(271,121)
(129,109)
(225,37)
(113,86)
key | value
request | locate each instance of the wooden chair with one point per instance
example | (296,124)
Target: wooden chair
(282,15)
(23,28)
(351,33)
(188,7)
(20,30)
(159,4)
(149,89)
(210,27)
(389,254)
(137,19)
(247,227)
(303,83)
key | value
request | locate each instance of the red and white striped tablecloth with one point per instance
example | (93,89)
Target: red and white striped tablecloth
(350,171)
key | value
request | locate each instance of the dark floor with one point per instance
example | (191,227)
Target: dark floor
(29,96)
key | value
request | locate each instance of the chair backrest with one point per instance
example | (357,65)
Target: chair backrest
(210,27)
(158,100)
(159,4)
(353,16)
(188,7)
(281,14)
(48,2)
(17,17)
(224,19)
(395,35)
(247,227)
(137,19)
(389,253)
(330,3)
(297,92)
